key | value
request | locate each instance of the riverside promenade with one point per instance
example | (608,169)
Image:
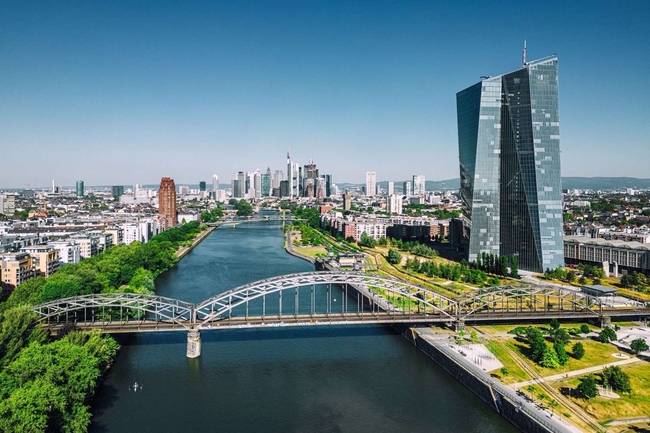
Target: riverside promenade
(182,251)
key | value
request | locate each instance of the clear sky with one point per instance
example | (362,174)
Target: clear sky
(122,92)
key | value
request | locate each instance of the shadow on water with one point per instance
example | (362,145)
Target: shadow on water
(256,334)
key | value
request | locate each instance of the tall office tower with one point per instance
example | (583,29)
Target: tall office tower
(234,188)
(215,183)
(291,176)
(53,187)
(278,176)
(391,189)
(167,202)
(509,145)
(371,183)
(406,189)
(80,188)
(284,189)
(202,186)
(118,191)
(266,183)
(256,183)
(241,190)
(419,185)
(309,177)
(328,185)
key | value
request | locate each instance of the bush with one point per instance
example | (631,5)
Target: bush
(607,335)
(394,257)
(578,351)
(639,345)
(584,328)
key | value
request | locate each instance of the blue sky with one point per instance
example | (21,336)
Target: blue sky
(127,92)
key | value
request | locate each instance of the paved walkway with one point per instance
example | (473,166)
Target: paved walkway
(574,373)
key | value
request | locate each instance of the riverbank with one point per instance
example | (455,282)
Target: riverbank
(288,246)
(182,251)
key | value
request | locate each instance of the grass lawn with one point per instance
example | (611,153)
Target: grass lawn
(311,251)
(633,405)
(596,353)
(633,294)
(515,373)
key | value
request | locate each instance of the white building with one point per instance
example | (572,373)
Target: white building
(406,188)
(215,183)
(394,204)
(69,252)
(419,185)
(391,188)
(371,183)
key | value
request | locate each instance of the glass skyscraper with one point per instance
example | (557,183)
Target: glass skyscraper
(509,148)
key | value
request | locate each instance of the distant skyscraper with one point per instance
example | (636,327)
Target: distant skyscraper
(202,186)
(278,176)
(328,185)
(293,177)
(509,143)
(167,202)
(394,204)
(371,183)
(215,183)
(266,183)
(118,191)
(80,188)
(347,201)
(406,189)
(419,185)
(241,191)
(391,189)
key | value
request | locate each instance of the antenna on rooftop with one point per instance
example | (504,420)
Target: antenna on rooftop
(523,55)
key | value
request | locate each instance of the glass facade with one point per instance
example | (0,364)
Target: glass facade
(509,148)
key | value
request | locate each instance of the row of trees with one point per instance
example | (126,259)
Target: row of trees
(413,247)
(449,271)
(243,207)
(585,271)
(210,216)
(507,266)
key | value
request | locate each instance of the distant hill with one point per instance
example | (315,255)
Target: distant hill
(596,183)
(569,182)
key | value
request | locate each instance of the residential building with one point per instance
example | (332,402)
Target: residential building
(167,202)
(347,201)
(183,190)
(394,204)
(69,252)
(89,245)
(15,268)
(509,145)
(371,183)
(7,204)
(391,189)
(45,259)
(80,188)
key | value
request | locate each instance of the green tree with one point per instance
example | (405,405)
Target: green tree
(17,331)
(367,241)
(639,345)
(587,387)
(514,267)
(244,208)
(394,257)
(578,351)
(504,371)
(536,342)
(607,335)
(554,324)
(549,359)
(582,280)
(560,351)
(584,328)
(616,378)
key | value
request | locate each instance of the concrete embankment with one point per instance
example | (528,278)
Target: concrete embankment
(182,251)
(521,413)
(288,246)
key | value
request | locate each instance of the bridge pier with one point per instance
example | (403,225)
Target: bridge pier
(193,343)
(604,321)
(459,325)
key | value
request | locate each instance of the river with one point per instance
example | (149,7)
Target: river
(328,379)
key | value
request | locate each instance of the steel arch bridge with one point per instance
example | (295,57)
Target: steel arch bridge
(314,298)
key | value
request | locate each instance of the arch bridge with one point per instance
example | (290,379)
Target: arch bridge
(311,299)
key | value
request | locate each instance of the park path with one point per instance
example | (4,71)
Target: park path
(575,372)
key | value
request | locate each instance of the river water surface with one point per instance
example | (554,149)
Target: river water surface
(328,379)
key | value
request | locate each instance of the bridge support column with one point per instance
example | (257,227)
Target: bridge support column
(193,343)
(605,321)
(459,325)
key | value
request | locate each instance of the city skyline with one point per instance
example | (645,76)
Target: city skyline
(213,88)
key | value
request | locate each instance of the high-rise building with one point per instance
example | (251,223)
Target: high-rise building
(80,188)
(371,183)
(215,183)
(419,185)
(394,203)
(241,190)
(118,191)
(347,201)
(266,183)
(167,202)
(328,185)
(509,144)
(406,189)
(391,189)
(278,176)
(202,186)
